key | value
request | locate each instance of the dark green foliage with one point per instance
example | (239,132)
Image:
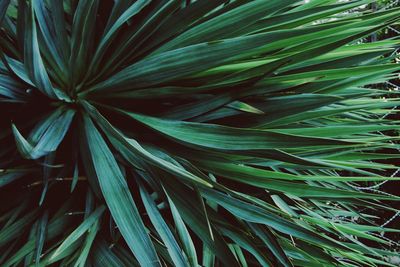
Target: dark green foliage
(194,133)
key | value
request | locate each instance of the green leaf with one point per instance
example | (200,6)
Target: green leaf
(60,28)
(208,258)
(339,130)
(82,39)
(133,10)
(33,61)
(191,213)
(244,107)
(45,22)
(82,259)
(41,236)
(9,176)
(103,255)
(47,136)
(77,233)
(130,149)
(228,23)
(13,231)
(229,138)
(118,197)
(257,175)
(187,242)
(3,9)
(181,19)
(270,240)
(248,245)
(163,230)
(189,60)
(255,214)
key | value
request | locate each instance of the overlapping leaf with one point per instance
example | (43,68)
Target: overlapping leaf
(187,133)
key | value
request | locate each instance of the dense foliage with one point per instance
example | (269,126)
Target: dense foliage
(188,133)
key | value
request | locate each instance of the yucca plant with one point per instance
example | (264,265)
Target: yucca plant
(194,133)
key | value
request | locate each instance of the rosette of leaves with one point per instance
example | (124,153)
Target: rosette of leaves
(193,133)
